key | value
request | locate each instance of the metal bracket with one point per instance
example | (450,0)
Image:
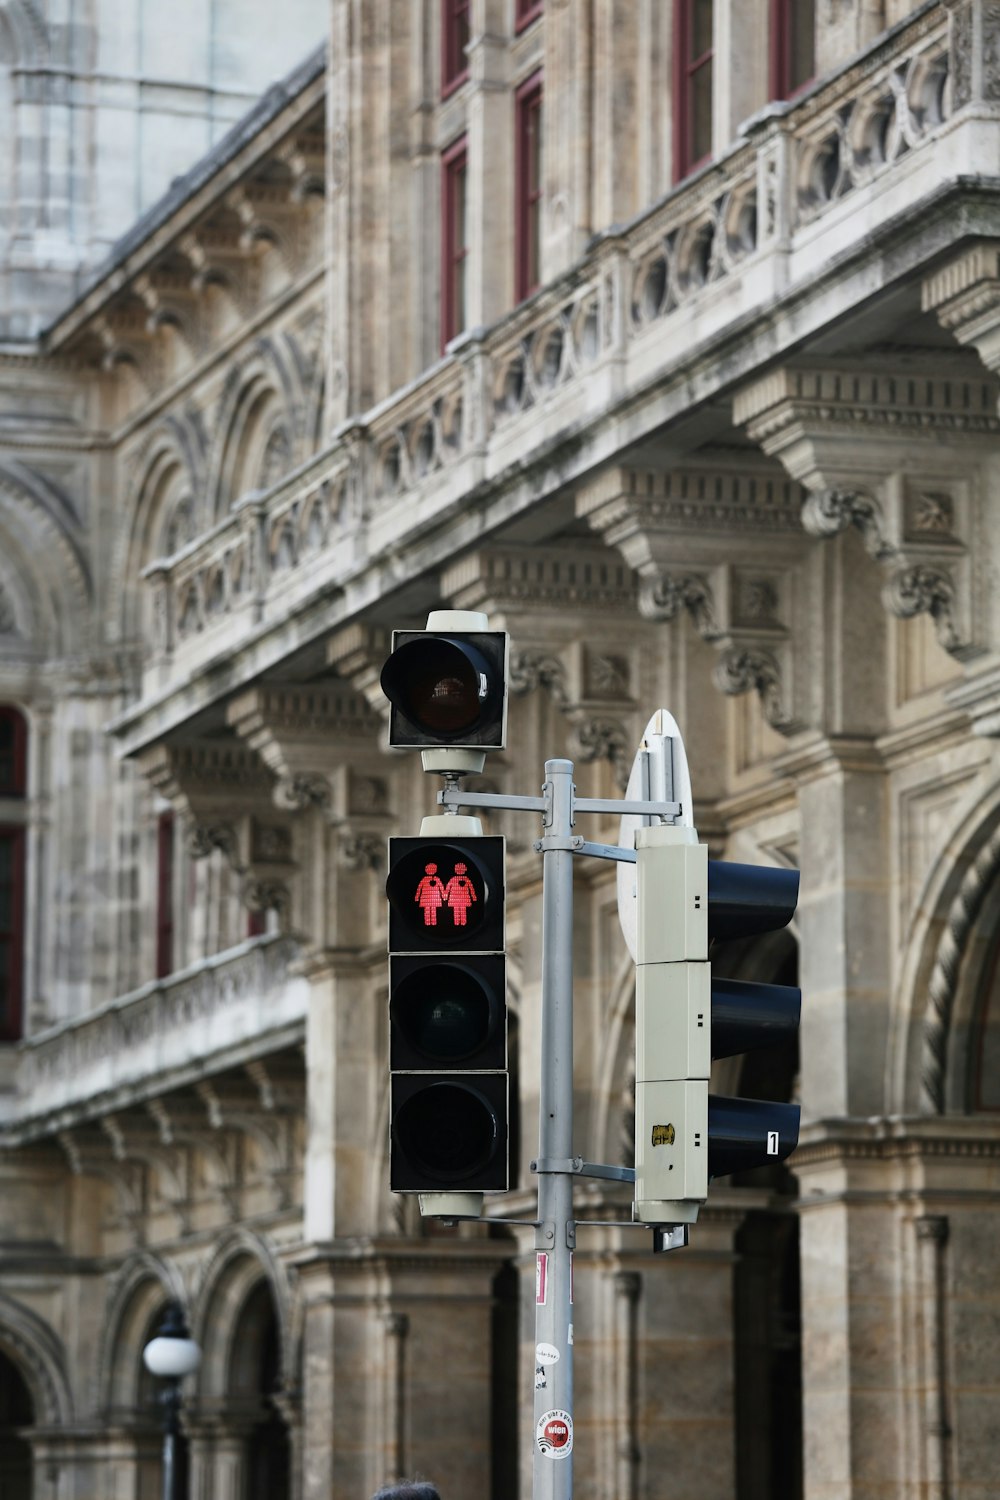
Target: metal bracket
(604,851)
(552,841)
(449,797)
(580,1168)
(617,806)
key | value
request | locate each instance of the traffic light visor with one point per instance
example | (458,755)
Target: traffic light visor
(747,899)
(747,1133)
(443,685)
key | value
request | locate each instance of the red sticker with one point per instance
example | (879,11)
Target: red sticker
(554,1434)
(541,1277)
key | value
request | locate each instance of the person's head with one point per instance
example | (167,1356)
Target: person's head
(408,1489)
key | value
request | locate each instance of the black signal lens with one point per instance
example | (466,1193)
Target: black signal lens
(445,1012)
(448,1131)
(441,685)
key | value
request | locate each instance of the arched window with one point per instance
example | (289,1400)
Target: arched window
(13,786)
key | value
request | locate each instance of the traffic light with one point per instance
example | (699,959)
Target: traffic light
(447,685)
(447,1013)
(684,1136)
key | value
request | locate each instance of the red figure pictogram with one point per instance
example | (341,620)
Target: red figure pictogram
(430,895)
(459,893)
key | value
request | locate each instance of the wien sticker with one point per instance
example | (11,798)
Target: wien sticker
(554,1434)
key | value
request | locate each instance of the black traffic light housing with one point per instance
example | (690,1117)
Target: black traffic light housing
(447,1015)
(447,689)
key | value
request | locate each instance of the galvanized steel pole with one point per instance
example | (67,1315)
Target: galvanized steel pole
(552,1460)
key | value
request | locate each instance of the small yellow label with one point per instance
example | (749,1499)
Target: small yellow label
(664,1135)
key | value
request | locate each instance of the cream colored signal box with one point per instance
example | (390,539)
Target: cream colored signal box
(673,1025)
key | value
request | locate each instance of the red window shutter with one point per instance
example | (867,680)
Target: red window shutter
(693,84)
(455,33)
(528,188)
(454,239)
(792,46)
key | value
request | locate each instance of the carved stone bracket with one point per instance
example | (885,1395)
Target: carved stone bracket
(534,668)
(676,529)
(849,437)
(357,653)
(301,734)
(663,596)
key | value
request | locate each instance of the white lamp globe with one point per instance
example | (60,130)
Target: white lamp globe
(171,1353)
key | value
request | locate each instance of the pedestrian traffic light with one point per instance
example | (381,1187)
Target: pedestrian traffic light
(447,685)
(447,1014)
(684,1136)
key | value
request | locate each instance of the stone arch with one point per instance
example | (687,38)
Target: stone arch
(945,958)
(29,36)
(38,1353)
(48,581)
(259,398)
(618,1066)
(136,1297)
(240,1262)
(162,488)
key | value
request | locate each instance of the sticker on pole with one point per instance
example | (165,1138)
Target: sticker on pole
(546,1354)
(554,1434)
(541,1278)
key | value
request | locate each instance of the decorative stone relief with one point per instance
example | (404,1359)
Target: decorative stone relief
(534,668)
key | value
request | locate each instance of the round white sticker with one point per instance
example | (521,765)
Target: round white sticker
(554,1434)
(546,1354)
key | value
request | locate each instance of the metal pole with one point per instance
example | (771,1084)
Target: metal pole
(171,1428)
(552,1439)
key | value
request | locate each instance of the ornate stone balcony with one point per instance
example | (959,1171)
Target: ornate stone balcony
(224,1012)
(662,314)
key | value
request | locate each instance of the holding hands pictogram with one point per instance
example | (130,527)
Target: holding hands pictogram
(458,895)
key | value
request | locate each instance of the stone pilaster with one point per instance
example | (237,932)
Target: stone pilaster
(899,1309)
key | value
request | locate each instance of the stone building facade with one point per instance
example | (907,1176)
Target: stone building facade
(667,334)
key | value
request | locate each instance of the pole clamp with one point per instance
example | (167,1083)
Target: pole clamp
(576,1166)
(574,843)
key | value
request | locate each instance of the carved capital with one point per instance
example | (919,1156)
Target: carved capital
(828,512)
(662,596)
(925,590)
(744,669)
(301,791)
(533,668)
(203,838)
(605,739)
(360,851)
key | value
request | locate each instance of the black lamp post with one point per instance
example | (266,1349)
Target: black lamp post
(171,1354)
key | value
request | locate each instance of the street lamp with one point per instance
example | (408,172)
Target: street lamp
(171,1354)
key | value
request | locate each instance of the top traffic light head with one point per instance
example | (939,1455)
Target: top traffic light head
(447,689)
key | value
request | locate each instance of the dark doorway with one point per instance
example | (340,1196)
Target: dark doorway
(766,1295)
(257,1377)
(17,1412)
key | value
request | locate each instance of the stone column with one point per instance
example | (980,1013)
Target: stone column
(490,175)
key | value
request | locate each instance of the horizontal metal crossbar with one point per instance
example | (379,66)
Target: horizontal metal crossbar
(580,1168)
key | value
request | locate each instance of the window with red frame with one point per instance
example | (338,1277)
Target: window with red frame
(528,206)
(454,40)
(164,895)
(11,931)
(693,66)
(257,923)
(793,46)
(454,239)
(526,12)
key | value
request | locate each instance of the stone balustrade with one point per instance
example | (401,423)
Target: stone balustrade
(225,1010)
(608,329)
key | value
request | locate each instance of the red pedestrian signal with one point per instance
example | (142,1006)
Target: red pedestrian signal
(447,1015)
